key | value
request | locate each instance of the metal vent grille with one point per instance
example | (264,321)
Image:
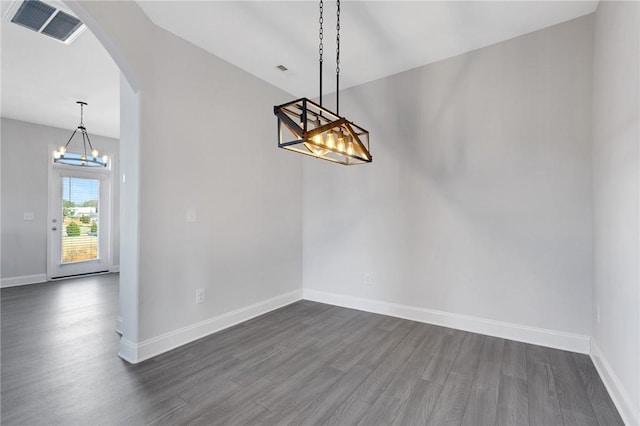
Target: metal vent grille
(62,26)
(46,19)
(33,14)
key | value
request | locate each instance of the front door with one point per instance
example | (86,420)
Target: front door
(79,221)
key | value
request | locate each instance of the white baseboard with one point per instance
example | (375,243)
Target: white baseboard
(23,280)
(128,351)
(630,414)
(522,333)
(137,352)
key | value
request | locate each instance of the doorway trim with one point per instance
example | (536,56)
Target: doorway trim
(55,174)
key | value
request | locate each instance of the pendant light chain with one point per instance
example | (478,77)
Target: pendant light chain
(321,47)
(337,56)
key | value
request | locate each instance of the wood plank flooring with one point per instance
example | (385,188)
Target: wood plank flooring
(305,364)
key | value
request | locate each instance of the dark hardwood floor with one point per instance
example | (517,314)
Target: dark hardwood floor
(307,363)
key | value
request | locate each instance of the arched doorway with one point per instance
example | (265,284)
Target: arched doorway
(127,323)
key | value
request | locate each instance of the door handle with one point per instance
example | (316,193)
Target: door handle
(54,228)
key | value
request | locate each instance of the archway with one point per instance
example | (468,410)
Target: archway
(127,323)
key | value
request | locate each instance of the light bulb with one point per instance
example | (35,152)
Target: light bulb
(62,150)
(105,159)
(94,153)
(331,142)
(83,157)
(56,155)
(317,139)
(350,148)
(341,142)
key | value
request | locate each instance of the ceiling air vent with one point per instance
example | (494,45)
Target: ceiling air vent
(48,20)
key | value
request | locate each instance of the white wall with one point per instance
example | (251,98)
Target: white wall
(129,211)
(478,200)
(207,141)
(616,186)
(25,155)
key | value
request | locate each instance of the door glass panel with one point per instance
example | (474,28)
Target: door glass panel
(81,228)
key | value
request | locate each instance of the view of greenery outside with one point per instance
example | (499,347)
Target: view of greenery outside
(80,242)
(80,219)
(73,230)
(67,208)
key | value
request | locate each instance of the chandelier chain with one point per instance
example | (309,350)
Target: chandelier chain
(321,45)
(337,56)
(338,37)
(321,34)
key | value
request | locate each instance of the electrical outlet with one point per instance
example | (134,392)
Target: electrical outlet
(200,295)
(367,280)
(598,313)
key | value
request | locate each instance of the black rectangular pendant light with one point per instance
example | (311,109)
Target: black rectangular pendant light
(308,128)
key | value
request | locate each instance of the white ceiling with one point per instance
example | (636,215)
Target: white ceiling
(42,78)
(378,38)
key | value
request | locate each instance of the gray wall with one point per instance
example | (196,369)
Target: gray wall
(616,166)
(25,155)
(207,141)
(478,200)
